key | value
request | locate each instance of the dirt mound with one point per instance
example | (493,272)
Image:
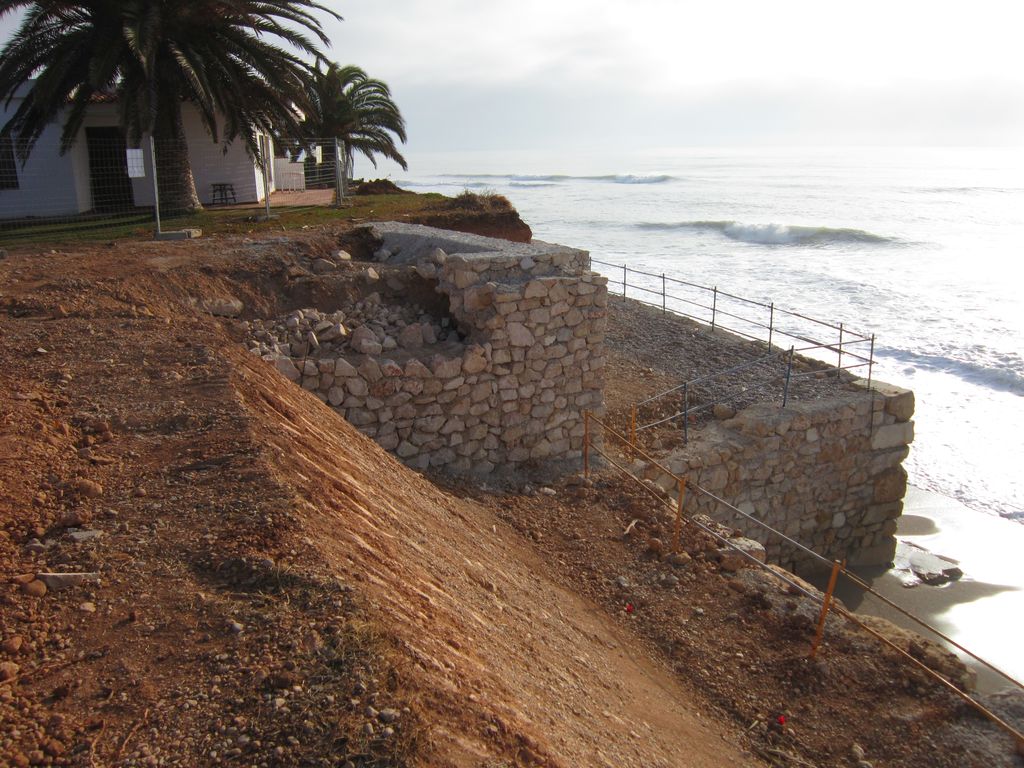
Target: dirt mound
(488,214)
(379,187)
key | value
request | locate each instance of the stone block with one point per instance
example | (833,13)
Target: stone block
(892,436)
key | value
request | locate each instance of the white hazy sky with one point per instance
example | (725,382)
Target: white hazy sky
(547,74)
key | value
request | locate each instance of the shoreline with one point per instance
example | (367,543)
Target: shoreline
(975,610)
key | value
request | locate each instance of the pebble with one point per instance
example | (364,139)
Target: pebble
(389,715)
(58,581)
(235,627)
(35,588)
(12,644)
(8,670)
(88,607)
(82,536)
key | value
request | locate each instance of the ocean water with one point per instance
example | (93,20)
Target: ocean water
(920,247)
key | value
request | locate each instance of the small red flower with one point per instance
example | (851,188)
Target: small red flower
(781,719)
(629,607)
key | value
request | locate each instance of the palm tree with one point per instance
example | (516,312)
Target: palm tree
(225,57)
(356,109)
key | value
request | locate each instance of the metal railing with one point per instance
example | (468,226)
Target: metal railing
(750,319)
(828,604)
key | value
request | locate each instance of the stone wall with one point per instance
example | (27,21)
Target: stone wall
(509,383)
(826,473)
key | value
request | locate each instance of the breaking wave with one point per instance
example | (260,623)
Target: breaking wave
(776,234)
(522,179)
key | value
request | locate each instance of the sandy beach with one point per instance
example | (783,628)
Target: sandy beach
(982,609)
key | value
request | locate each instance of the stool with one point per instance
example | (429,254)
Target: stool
(221,193)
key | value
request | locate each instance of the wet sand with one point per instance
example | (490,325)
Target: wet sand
(984,610)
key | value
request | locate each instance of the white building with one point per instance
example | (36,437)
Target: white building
(93,175)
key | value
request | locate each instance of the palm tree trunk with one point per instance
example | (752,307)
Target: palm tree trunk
(173,167)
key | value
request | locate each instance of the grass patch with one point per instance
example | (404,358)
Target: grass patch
(139,225)
(473,202)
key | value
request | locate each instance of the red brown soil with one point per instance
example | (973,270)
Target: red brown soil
(488,214)
(276,590)
(267,574)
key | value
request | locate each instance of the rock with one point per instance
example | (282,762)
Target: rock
(8,670)
(733,560)
(222,307)
(12,644)
(82,536)
(87,607)
(343,256)
(622,582)
(34,588)
(388,715)
(680,559)
(85,487)
(426,270)
(857,751)
(287,368)
(235,628)
(723,411)
(371,275)
(411,336)
(932,569)
(323,266)
(655,547)
(58,581)
(519,335)
(364,341)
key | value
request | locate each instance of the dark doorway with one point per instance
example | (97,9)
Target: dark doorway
(108,170)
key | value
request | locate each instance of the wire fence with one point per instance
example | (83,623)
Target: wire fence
(747,318)
(103,186)
(602,448)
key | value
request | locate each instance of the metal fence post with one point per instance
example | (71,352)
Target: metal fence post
(663,293)
(771,323)
(871,359)
(678,530)
(825,605)
(623,281)
(686,412)
(714,306)
(339,175)
(586,444)
(265,151)
(839,362)
(789,374)
(156,185)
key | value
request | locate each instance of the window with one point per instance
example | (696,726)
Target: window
(8,167)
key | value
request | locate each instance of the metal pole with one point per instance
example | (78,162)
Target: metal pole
(339,175)
(265,150)
(789,374)
(586,444)
(677,532)
(714,306)
(871,359)
(686,413)
(663,293)
(156,186)
(826,604)
(839,363)
(623,281)
(771,323)
(632,430)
